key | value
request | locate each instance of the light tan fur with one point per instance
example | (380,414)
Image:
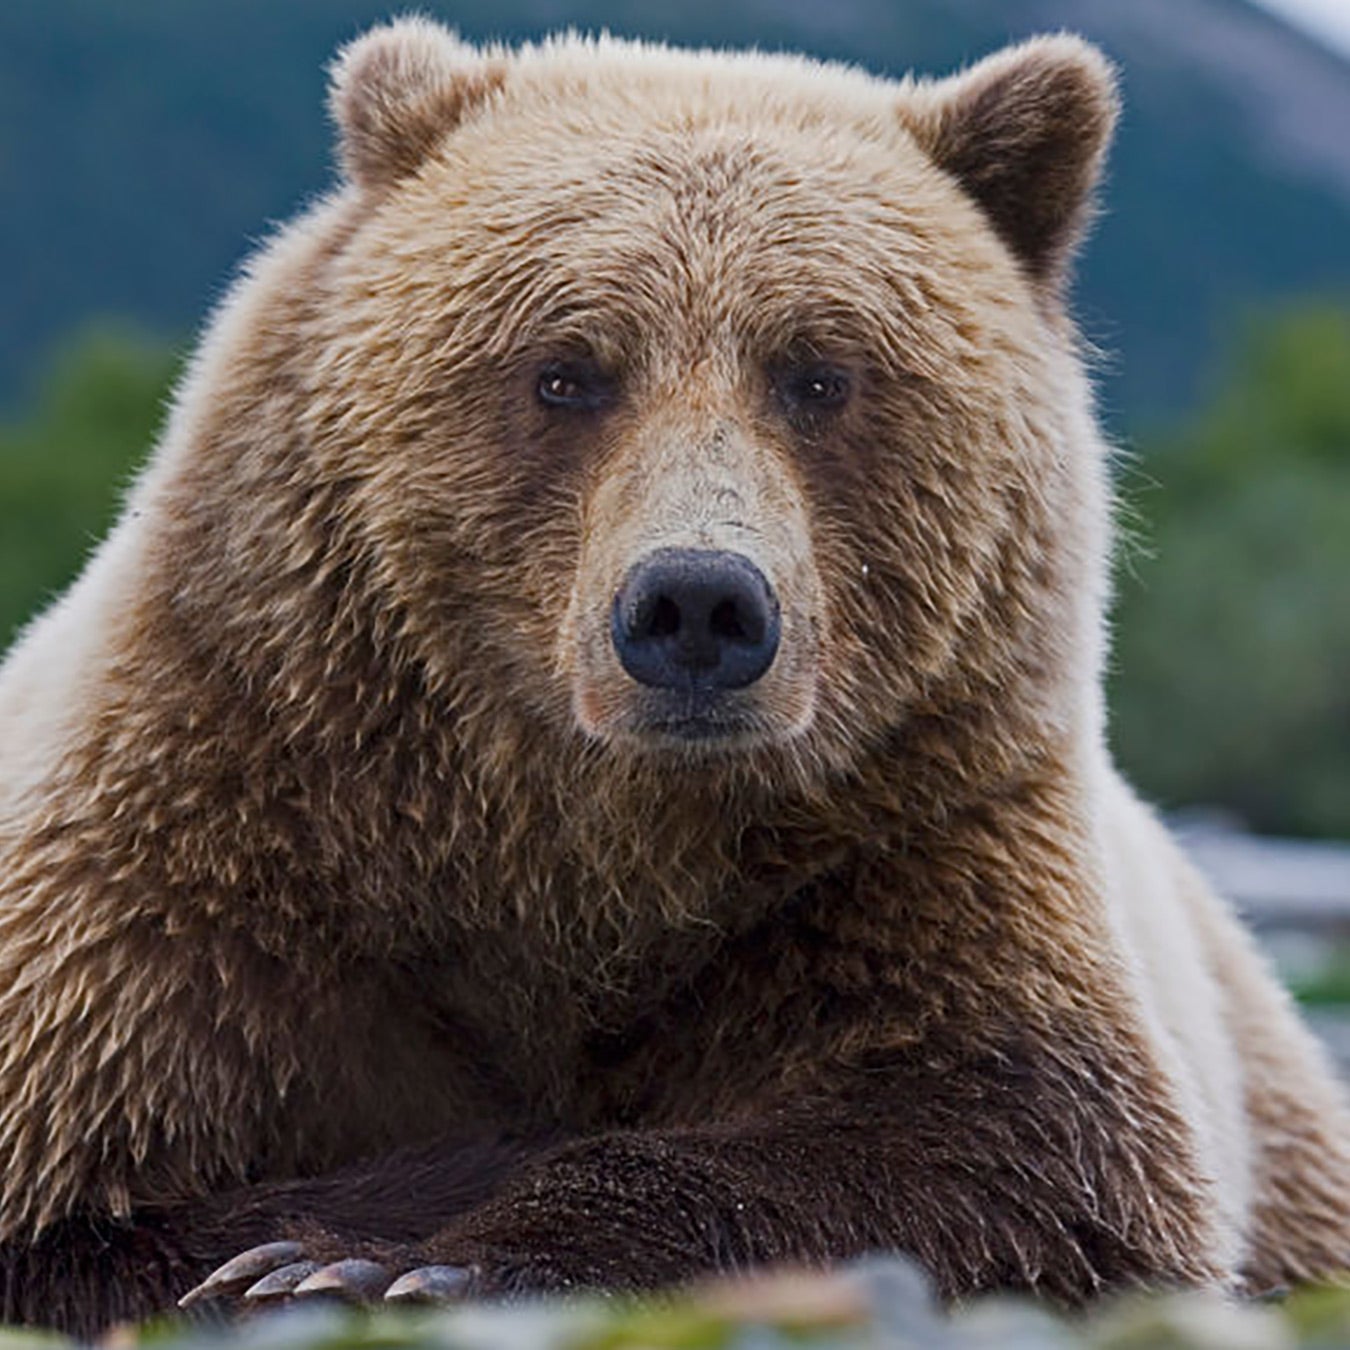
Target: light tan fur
(328,750)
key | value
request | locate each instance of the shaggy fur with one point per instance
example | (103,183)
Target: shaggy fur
(349,889)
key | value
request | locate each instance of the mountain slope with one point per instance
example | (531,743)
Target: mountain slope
(143,143)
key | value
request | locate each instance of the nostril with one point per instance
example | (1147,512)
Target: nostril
(725,622)
(665,618)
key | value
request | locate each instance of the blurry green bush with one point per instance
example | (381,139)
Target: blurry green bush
(63,468)
(1231,679)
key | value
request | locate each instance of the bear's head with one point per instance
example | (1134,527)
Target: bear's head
(713,405)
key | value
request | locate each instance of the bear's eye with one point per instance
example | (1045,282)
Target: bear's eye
(814,388)
(573,384)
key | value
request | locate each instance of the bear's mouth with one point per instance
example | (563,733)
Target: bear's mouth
(689,720)
(695,717)
(698,728)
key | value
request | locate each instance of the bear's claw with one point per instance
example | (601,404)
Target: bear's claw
(282,1281)
(241,1271)
(278,1271)
(431,1284)
(354,1279)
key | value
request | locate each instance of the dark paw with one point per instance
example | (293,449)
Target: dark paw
(283,1272)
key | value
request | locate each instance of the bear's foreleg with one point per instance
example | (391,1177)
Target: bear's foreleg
(993,1175)
(83,1274)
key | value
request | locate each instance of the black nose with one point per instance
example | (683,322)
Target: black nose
(688,618)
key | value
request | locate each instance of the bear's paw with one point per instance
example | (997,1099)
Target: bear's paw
(283,1272)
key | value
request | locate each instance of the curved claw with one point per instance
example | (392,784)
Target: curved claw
(284,1280)
(352,1279)
(431,1284)
(242,1270)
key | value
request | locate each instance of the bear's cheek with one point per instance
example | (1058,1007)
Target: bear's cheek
(911,512)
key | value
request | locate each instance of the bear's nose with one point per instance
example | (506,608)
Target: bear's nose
(695,618)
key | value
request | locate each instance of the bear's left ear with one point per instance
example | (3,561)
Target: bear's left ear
(1025,132)
(396,90)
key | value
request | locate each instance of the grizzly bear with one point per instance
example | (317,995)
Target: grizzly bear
(582,763)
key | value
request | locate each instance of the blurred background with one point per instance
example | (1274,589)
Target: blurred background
(145,145)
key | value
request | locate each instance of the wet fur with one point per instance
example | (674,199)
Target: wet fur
(329,861)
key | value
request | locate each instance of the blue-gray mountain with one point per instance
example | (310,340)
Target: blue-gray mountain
(144,144)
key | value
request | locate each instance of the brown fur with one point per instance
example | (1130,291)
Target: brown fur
(355,841)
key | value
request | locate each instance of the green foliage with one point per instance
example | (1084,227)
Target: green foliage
(1328,987)
(1233,650)
(62,468)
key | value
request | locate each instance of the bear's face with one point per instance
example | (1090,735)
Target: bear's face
(690,399)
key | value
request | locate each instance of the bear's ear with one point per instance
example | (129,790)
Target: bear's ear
(396,90)
(1025,132)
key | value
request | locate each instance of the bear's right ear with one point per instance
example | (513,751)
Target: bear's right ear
(396,90)
(1025,133)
